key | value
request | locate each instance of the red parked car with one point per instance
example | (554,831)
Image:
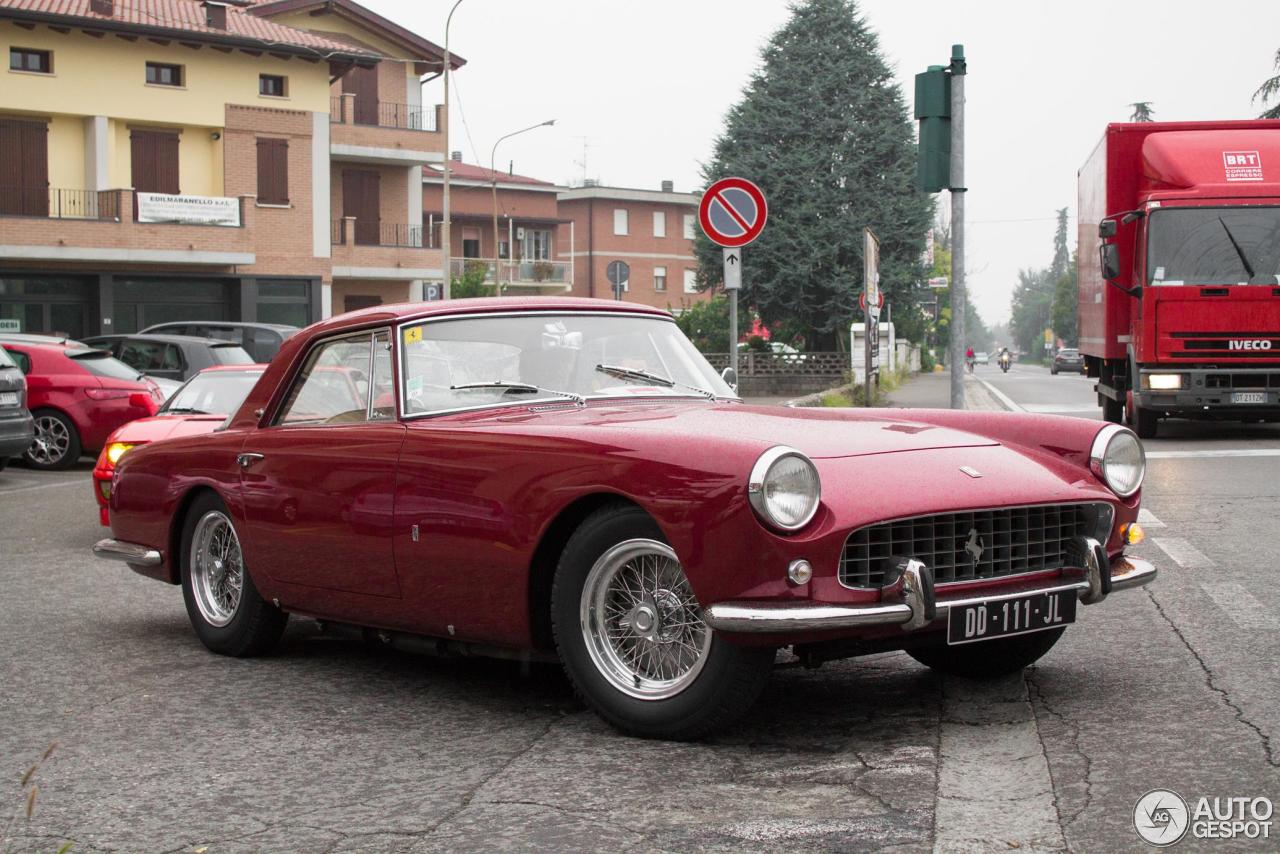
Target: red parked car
(199,406)
(570,479)
(77,396)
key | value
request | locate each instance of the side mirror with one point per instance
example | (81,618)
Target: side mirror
(1109,260)
(730,376)
(1107,228)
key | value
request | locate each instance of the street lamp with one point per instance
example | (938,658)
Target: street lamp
(493,174)
(444,133)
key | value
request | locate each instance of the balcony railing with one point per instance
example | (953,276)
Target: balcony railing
(376,233)
(59,203)
(349,109)
(516,272)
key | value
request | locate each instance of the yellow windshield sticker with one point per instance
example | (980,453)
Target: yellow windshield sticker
(413,334)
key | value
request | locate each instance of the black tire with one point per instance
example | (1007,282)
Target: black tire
(48,422)
(4,461)
(256,625)
(1145,422)
(1053,371)
(988,659)
(1112,410)
(728,684)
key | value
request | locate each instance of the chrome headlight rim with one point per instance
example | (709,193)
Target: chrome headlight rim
(756,492)
(1102,443)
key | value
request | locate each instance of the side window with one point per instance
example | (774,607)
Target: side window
(22,360)
(172,358)
(143,355)
(333,387)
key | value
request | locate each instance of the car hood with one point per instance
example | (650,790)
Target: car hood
(159,427)
(818,433)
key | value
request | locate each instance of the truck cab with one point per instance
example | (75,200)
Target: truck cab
(1179,271)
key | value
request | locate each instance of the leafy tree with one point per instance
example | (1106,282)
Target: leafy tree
(824,130)
(706,324)
(1142,112)
(1032,310)
(471,282)
(1269,89)
(1064,310)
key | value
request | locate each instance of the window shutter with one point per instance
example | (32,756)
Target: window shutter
(273,171)
(154,156)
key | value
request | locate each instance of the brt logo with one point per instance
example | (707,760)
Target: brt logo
(1242,165)
(1262,344)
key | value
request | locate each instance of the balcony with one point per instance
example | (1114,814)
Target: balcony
(103,226)
(518,273)
(383,250)
(384,131)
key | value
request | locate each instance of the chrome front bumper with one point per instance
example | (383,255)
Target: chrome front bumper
(914,602)
(130,553)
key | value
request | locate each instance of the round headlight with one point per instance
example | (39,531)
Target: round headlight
(784,488)
(1118,460)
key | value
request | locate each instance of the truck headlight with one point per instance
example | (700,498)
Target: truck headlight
(784,489)
(1163,382)
(1118,460)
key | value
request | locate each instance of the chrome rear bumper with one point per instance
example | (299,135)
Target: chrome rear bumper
(914,602)
(130,553)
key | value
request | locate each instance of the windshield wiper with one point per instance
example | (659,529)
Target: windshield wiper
(187,409)
(519,388)
(1248,268)
(634,374)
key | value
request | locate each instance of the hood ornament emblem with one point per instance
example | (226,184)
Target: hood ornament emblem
(974,546)
(972,472)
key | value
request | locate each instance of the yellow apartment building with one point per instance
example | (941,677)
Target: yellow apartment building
(170,160)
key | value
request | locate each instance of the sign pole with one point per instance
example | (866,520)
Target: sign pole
(732,284)
(732,214)
(957,188)
(871,302)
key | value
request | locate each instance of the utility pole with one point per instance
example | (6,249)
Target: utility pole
(957,71)
(448,157)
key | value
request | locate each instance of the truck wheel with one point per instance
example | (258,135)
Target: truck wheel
(632,639)
(1112,410)
(228,614)
(988,659)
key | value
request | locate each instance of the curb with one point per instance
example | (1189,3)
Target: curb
(982,395)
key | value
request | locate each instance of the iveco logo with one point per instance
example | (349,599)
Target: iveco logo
(1244,344)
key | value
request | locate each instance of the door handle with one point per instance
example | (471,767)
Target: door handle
(247,459)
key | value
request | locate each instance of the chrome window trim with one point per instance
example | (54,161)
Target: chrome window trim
(405,415)
(1111,523)
(1098,452)
(755,487)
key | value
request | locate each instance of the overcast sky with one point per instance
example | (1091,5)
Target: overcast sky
(645,86)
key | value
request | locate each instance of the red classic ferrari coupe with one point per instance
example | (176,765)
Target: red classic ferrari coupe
(565,478)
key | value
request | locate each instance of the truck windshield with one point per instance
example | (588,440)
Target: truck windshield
(1214,246)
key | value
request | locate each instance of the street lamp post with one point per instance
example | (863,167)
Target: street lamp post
(444,133)
(493,175)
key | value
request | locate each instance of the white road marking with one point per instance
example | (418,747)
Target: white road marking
(1212,454)
(1060,407)
(4,491)
(1239,604)
(1147,519)
(1183,553)
(1000,396)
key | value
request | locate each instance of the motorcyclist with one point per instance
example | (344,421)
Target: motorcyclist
(1005,358)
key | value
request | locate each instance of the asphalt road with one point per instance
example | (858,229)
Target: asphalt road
(329,745)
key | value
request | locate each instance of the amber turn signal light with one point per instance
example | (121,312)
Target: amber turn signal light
(1132,534)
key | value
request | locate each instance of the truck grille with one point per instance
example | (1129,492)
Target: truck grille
(1203,344)
(1007,541)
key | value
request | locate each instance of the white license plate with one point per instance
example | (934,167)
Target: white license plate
(1249,397)
(8,398)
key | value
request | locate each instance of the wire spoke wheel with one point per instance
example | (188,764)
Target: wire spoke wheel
(642,624)
(52,441)
(217,568)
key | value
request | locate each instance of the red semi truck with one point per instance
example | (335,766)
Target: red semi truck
(1179,271)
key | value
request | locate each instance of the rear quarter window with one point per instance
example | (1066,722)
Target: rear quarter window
(101,364)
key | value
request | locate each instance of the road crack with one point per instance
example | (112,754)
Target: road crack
(1073,728)
(1210,681)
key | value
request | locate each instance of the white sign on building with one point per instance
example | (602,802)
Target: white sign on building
(193,210)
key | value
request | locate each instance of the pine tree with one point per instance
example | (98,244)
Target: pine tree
(823,129)
(1142,112)
(1270,88)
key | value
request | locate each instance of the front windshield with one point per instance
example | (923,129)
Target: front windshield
(212,393)
(1214,246)
(554,353)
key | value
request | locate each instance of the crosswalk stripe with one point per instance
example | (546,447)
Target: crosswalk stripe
(1147,519)
(1183,553)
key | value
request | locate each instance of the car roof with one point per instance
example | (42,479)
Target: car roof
(230,324)
(255,368)
(163,338)
(36,338)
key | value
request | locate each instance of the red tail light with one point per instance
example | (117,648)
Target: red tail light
(143,400)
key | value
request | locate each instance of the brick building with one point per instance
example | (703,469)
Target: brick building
(652,231)
(532,235)
(171,159)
